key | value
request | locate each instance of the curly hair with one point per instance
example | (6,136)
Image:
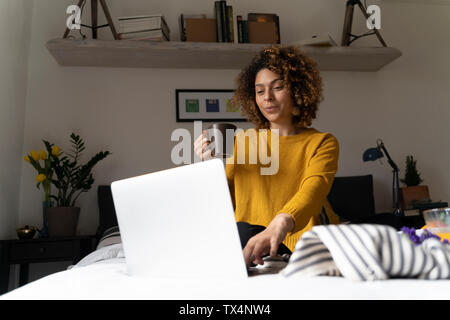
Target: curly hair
(300,75)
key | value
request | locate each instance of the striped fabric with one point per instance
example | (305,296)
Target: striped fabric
(367,252)
(109,237)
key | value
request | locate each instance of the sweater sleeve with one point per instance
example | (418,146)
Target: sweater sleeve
(316,184)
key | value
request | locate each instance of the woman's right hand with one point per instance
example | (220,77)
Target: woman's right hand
(201,145)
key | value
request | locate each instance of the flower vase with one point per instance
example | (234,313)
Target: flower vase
(43,233)
(62,221)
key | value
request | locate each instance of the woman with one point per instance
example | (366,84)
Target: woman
(280,91)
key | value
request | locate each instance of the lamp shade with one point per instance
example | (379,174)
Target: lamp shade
(372,154)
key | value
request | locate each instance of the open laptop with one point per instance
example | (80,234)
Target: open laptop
(179,223)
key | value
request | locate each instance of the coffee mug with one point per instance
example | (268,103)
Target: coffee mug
(221,137)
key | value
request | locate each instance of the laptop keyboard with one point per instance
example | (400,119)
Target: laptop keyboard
(272,265)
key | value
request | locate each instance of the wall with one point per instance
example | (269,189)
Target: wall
(407,105)
(15,23)
(127,111)
(131,112)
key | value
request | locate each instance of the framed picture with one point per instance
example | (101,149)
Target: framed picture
(206,105)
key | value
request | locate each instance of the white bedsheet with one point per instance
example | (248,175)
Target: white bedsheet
(103,275)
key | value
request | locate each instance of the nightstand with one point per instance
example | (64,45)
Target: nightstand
(24,252)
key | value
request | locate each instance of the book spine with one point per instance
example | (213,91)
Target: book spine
(245,31)
(230,22)
(182,28)
(239,28)
(148,34)
(140,25)
(223,10)
(131,30)
(218,15)
(154,31)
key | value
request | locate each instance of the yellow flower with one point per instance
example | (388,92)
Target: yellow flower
(40,177)
(55,151)
(42,155)
(27,159)
(34,155)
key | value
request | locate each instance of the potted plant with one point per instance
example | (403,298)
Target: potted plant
(72,179)
(413,192)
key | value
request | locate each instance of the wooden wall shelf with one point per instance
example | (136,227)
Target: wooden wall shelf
(201,55)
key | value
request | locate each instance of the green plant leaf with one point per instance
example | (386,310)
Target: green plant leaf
(73,178)
(412,176)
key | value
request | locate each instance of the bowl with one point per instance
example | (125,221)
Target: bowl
(26,232)
(437,220)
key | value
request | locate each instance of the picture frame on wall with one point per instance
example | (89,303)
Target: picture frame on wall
(209,105)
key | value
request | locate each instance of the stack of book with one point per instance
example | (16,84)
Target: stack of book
(149,27)
(224,21)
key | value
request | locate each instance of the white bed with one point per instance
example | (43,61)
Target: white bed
(103,275)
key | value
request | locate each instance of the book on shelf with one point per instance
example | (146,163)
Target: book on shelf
(242,29)
(224,21)
(239,28)
(143,23)
(182,23)
(230,23)
(145,35)
(218,16)
(321,40)
(245,31)
(266,18)
(201,30)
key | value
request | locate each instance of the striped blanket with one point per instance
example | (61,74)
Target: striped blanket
(367,252)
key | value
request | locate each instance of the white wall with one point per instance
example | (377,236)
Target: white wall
(15,23)
(131,112)
(405,104)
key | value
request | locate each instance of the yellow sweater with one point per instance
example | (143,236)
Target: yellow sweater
(307,163)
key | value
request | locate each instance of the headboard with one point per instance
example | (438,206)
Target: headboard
(107,212)
(352,197)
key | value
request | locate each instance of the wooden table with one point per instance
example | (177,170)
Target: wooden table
(24,252)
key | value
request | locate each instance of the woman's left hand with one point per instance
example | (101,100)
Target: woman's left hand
(267,241)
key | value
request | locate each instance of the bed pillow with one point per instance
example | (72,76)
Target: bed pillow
(110,236)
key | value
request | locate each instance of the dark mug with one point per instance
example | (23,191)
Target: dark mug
(221,137)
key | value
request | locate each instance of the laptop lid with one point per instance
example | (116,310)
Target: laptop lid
(179,223)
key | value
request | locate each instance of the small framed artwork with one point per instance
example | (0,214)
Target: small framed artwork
(206,105)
